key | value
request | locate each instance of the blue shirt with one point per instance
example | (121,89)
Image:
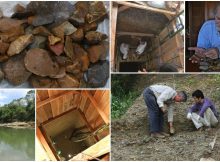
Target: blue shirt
(209,37)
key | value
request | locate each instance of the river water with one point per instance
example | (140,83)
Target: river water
(17,144)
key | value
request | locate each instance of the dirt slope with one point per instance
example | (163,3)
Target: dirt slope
(130,134)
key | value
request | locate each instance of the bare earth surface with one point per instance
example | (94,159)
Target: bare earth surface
(130,134)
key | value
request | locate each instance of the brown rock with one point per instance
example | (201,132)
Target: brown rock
(1,75)
(60,74)
(65,28)
(63,61)
(68,82)
(15,71)
(81,55)
(39,62)
(20,12)
(57,48)
(68,49)
(94,37)
(19,44)
(19,8)
(78,51)
(53,40)
(7,24)
(78,35)
(3,47)
(43,82)
(41,31)
(3,58)
(12,34)
(97,12)
(81,9)
(75,68)
(84,62)
(96,51)
(90,27)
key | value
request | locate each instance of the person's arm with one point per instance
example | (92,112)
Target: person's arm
(205,106)
(193,108)
(164,96)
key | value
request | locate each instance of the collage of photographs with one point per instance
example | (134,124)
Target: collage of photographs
(109,80)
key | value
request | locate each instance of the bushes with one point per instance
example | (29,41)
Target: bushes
(120,105)
(123,94)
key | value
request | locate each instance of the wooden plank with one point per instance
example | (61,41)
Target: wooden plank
(87,123)
(40,104)
(145,7)
(100,148)
(44,143)
(97,107)
(114,13)
(135,34)
(123,8)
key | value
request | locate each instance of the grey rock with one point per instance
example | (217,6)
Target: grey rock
(98,74)
(39,42)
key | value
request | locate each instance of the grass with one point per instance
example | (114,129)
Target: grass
(121,104)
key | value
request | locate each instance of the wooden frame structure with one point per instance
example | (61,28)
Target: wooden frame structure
(162,52)
(93,108)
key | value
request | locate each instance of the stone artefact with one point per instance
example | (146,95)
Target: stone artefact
(19,44)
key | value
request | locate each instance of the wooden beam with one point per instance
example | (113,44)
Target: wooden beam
(44,102)
(100,148)
(45,145)
(100,111)
(87,123)
(114,13)
(55,117)
(126,3)
(123,8)
(135,34)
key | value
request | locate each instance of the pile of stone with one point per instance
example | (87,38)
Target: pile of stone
(55,45)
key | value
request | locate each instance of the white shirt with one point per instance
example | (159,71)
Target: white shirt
(164,93)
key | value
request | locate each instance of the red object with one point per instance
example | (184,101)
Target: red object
(57,48)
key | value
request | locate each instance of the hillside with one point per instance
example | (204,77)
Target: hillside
(19,110)
(130,134)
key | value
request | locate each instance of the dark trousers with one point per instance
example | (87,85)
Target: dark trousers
(155,114)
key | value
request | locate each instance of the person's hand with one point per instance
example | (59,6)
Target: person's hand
(164,109)
(199,119)
(212,53)
(198,56)
(189,116)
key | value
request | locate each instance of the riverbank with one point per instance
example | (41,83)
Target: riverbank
(19,125)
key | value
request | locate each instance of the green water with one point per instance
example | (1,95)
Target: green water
(17,144)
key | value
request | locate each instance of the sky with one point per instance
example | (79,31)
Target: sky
(7,95)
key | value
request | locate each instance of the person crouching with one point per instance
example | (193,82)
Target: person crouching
(203,112)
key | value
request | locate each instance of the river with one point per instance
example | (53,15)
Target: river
(17,144)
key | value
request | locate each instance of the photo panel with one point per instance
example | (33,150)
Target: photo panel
(72,125)
(147,36)
(164,117)
(52,44)
(17,125)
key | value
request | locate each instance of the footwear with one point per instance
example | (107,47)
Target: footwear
(165,134)
(157,135)
(172,130)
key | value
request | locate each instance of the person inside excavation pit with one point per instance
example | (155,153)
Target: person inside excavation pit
(208,44)
(203,112)
(159,99)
